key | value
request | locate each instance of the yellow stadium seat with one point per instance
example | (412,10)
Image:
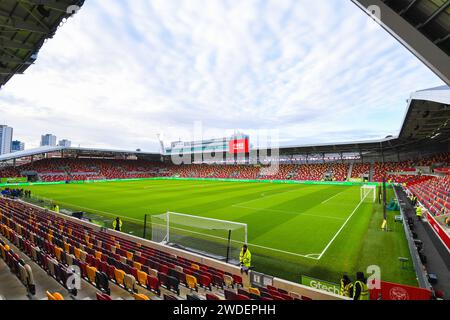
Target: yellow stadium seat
(129,255)
(137,265)
(191,282)
(91,272)
(119,275)
(77,253)
(142,278)
(195,266)
(58,252)
(254,291)
(140,296)
(98,255)
(66,247)
(58,296)
(50,296)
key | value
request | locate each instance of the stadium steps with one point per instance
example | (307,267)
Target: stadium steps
(44,282)
(350,169)
(438,257)
(11,288)
(371,171)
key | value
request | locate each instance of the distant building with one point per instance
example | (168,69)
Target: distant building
(48,140)
(65,143)
(17,146)
(5,139)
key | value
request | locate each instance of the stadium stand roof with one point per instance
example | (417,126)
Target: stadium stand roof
(422,26)
(426,121)
(24,27)
(428,116)
(84,152)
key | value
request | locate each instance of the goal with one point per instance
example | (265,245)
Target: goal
(368,193)
(218,239)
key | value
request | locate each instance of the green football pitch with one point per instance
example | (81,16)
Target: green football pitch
(321,231)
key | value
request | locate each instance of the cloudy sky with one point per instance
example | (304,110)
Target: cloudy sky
(120,72)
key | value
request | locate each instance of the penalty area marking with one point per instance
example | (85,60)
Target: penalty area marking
(290,212)
(342,227)
(332,197)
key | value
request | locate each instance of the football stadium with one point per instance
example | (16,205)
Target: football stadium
(229,217)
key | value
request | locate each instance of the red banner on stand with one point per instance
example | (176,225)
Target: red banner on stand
(439,231)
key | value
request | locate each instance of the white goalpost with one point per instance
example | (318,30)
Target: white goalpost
(219,239)
(368,193)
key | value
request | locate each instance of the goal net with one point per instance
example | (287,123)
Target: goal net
(368,193)
(219,239)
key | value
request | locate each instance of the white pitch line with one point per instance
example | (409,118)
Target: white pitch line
(342,227)
(266,197)
(308,256)
(332,197)
(175,187)
(289,212)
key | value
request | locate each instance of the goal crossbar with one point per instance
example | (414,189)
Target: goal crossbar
(209,236)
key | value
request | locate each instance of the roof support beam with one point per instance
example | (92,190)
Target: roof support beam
(415,41)
(410,5)
(434,15)
(51,4)
(20,25)
(7,59)
(7,71)
(14,45)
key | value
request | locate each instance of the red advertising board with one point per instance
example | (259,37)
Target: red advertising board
(439,231)
(394,291)
(239,146)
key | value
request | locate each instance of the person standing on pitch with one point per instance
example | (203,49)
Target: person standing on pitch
(245,259)
(117,224)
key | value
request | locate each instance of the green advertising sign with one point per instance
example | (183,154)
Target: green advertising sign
(13,180)
(320,284)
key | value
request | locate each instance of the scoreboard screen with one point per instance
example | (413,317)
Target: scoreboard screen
(239,146)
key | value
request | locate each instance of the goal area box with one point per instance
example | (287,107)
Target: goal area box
(214,238)
(368,193)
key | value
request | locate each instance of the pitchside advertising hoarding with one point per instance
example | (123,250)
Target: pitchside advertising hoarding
(386,291)
(239,146)
(13,180)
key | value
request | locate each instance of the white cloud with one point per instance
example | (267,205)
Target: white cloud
(121,71)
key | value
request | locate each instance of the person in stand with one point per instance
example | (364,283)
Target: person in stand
(245,259)
(117,224)
(346,286)
(360,289)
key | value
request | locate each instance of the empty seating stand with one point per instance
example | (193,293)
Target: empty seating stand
(61,246)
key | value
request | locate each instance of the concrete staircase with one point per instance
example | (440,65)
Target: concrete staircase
(350,169)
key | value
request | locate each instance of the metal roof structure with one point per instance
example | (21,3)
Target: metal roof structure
(428,116)
(422,26)
(426,123)
(24,27)
(73,151)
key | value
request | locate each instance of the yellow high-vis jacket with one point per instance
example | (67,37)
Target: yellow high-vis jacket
(245,258)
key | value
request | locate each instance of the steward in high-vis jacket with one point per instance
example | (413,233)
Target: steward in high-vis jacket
(117,224)
(419,212)
(245,259)
(346,287)
(360,289)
